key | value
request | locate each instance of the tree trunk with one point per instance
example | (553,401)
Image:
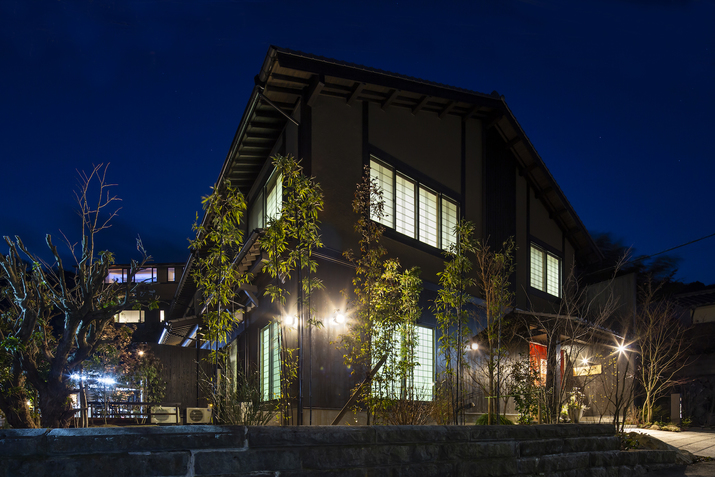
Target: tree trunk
(17,412)
(55,408)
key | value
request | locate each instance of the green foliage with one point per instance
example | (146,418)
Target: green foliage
(450,308)
(218,239)
(237,400)
(525,389)
(494,270)
(289,375)
(484,420)
(386,310)
(290,240)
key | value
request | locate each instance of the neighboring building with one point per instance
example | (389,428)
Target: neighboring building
(440,153)
(161,280)
(697,379)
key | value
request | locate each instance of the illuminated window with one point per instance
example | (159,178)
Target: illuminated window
(117,275)
(161,316)
(545,271)
(171,274)
(421,381)
(413,209)
(423,374)
(450,217)
(429,232)
(274,198)
(405,206)
(270,362)
(129,316)
(383,176)
(145,275)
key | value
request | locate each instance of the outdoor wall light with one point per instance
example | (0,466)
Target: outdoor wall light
(338,318)
(474,346)
(621,348)
(141,353)
(584,361)
(289,320)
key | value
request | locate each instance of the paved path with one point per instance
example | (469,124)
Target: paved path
(701,443)
(698,442)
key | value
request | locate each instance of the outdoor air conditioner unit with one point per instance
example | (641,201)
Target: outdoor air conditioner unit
(198,415)
(164,415)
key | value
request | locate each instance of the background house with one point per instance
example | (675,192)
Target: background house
(440,153)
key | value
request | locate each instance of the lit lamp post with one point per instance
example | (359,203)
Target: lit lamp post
(621,349)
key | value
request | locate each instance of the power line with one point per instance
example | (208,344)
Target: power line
(646,257)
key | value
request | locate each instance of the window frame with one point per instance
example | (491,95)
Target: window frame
(544,255)
(391,222)
(270,373)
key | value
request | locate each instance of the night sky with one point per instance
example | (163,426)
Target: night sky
(618,97)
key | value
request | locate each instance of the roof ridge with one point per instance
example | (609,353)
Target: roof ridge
(383,72)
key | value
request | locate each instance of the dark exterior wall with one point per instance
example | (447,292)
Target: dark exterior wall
(430,145)
(473,172)
(179,371)
(542,227)
(338,166)
(522,241)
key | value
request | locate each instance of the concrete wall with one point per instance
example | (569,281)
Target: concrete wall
(565,450)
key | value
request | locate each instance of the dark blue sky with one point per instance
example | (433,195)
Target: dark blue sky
(618,97)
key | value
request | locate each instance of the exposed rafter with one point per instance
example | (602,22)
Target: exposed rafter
(420,105)
(447,109)
(317,84)
(390,99)
(356,91)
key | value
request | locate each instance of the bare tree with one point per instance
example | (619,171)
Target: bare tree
(493,272)
(579,322)
(54,319)
(662,348)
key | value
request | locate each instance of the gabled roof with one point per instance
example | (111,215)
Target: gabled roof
(288,77)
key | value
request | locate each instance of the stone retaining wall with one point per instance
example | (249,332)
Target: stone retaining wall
(557,450)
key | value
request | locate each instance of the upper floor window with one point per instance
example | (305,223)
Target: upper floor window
(267,204)
(274,198)
(413,209)
(545,271)
(171,274)
(121,275)
(129,316)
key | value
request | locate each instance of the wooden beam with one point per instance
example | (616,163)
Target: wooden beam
(420,105)
(447,109)
(317,84)
(513,142)
(390,98)
(471,112)
(543,192)
(354,95)
(290,79)
(494,122)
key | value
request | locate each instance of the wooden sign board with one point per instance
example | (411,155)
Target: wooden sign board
(587,370)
